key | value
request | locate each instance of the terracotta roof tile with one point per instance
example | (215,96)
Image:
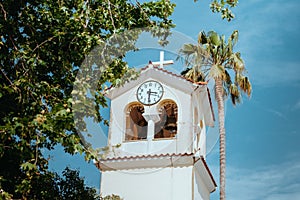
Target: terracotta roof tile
(173,74)
(168,72)
(159,156)
(146,156)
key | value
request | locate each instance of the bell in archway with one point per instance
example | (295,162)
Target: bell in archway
(170,124)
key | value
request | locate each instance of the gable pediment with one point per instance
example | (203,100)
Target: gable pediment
(155,73)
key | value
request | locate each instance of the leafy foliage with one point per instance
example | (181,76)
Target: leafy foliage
(73,187)
(224,7)
(42,45)
(110,197)
(70,185)
(50,185)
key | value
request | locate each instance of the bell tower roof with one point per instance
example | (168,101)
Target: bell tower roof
(159,74)
(169,78)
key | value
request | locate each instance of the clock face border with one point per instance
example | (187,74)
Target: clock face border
(140,87)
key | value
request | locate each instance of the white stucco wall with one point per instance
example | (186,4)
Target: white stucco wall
(181,183)
(200,190)
(149,184)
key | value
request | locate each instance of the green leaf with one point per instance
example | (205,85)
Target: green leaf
(27,166)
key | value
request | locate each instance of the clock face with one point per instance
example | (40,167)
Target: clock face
(150,92)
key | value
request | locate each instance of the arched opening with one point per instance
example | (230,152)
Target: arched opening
(167,126)
(136,125)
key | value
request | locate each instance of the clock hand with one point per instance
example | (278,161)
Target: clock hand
(149,93)
(154,94)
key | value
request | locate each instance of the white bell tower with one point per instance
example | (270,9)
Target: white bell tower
(159,121)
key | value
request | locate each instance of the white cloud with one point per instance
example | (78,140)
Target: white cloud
(273,182)
(297,105)
(269,73)
(268,17)
(277,113)
(267,183)
(268,41)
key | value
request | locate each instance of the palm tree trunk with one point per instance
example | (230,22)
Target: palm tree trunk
(220,102)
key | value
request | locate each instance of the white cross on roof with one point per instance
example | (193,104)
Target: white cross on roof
(162,62)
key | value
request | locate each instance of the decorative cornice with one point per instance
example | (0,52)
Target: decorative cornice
(158,161)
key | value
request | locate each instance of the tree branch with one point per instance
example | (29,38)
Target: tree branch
(39,45)
(4,12)
(12,41)
(36,149)
(10,82)
(111,16)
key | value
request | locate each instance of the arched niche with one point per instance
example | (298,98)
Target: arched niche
(166,127)
(136,125)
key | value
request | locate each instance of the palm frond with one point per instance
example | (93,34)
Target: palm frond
(185,71)
(234,37)
(195,74)
(245,85)
(216,71)
(236,63)
(227,78)
(188,49)
(229,48)
(234,94)
(214,38)
(202,38)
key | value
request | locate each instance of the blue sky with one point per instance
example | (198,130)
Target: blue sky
(263,135)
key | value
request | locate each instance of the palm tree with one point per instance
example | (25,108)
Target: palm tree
(213,58)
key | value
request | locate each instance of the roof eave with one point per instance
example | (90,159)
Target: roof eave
(114,92)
